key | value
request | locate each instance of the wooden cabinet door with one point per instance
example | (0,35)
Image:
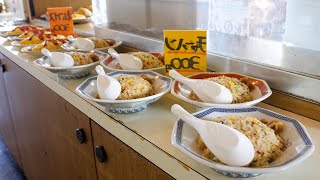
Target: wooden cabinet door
(45,127)
(122,162)
(6,125)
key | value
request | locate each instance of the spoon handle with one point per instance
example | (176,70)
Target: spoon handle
(181,113)
(46,52)
(100,70)
(113,53)
(177,76)
(71,38)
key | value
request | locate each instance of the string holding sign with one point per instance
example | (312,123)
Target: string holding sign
(60,19)
(185,51)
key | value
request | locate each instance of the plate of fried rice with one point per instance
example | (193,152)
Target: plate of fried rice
(138,90)
(280,142)
(150,61)
(246,91)
(84,63)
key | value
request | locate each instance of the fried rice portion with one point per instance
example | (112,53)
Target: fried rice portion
(263,134)
(149,61)
(83,58)
(133,87)
(239,90)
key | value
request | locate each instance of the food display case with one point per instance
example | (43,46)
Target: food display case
(13,10)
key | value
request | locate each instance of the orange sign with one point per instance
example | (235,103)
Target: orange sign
(60,19)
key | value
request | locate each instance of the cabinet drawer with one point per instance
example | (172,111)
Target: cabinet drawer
(46,130)
(121,162)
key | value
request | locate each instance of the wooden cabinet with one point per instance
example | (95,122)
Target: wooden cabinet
(6,125)
(42,126)
(121,162)
(45,126)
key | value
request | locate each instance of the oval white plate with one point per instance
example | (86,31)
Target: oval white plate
(14,38)
(299,148)
(69,72)
(88,90)
(17,44)
(27,49)
(260,93)
(110,63)
(68,47)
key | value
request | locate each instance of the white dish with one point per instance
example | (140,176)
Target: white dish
(75,21)
(28,49)
(69,72)
(260,93)
(88,90)
(80,21)
(300,145)
(14,38)
(110,63)
(3,34)
(17,44)
(68,47)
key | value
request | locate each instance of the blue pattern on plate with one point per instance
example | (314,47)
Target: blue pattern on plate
(237,174)
(74,76)
(87,83)
(128,110)
(300,130)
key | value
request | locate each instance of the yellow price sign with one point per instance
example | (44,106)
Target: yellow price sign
(185,51)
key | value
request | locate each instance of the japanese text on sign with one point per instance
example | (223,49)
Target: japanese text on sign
(61,20)
(185,51)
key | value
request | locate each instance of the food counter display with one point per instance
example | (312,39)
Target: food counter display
(135,132)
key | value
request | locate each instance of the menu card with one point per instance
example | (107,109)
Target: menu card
(60,19)
(185,51)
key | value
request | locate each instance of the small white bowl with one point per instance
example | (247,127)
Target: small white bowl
(260,93)
(74,72)
(88,90)
(299,142)
(110,63)
(69,47)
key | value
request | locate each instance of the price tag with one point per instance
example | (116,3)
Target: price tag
(60,19)
(185,51)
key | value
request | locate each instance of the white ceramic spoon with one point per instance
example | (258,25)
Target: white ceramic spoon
(85,44)
(227,144)
(108,87)
(207,91)
(82,43)
(126,61)
(58,59)
(71,38)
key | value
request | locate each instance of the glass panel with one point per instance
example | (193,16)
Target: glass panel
(11,10)
(276,33)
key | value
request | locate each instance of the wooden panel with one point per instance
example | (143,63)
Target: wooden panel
(122,162)
(45,126)
(6,124)
(40,6)
(292,104)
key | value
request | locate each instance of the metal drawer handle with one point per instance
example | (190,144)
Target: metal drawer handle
(81,135)
(3,69)
(101,154)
